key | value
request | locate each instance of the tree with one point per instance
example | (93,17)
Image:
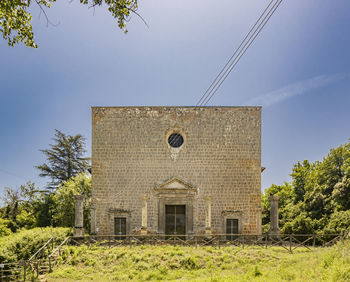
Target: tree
(299,174)
(11,199)
(19,207)
(341,194)
(318,198)
(287,196)
(63,208)
(4,230)
(15,18)
(64,159)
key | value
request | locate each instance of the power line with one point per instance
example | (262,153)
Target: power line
(200,100)
(13,174)
(239,52)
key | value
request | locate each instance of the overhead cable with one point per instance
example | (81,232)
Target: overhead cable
(239,52)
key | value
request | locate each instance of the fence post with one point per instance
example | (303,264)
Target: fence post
(290,243)
(50,268)
(24,271)
(314,240)
(2,272)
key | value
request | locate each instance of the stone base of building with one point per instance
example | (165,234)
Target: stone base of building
(78,232)
(274,234)
(208,231)
(143,232)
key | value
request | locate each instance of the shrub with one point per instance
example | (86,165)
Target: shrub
(189,263)
(4,230)
(22,245)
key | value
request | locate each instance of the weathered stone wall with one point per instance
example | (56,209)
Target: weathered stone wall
(220,157)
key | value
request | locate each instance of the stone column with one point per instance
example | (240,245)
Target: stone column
(79,216)
(208,215)
(93,219)
(274,229)
(144,214)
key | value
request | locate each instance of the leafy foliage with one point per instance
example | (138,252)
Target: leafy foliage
(30,207)
(4,230)
(64,203)
(18,212)
(15,18)
(23,244)
(15,22)
(65,158)
(318,198)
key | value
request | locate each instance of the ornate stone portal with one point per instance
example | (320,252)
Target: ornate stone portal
(175,192)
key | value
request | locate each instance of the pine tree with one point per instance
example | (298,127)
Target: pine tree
(64,159)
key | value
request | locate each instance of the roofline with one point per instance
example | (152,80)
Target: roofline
(199,107)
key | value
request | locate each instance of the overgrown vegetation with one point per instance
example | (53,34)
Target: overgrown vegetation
(22,245)
(142,263)
(31,206)
(318,198)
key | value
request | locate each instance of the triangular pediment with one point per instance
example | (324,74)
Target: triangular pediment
(175,184)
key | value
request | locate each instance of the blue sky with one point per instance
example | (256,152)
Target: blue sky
(298,69)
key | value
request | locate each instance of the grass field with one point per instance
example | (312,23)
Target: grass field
(150,263)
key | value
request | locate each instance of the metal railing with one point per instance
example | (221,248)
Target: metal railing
(52,258)
(15,271)
(39,263)
(289,242)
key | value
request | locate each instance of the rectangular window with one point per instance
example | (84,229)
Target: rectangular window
(231,228)
(120,227)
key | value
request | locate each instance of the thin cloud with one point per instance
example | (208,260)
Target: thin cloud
(298,88)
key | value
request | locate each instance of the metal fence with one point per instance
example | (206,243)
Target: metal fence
(287,241)
(41,262)
(46,258)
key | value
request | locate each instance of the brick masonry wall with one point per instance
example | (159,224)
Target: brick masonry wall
(221,157)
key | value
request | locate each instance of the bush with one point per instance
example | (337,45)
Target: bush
(301,224)
(338,223)
(4,229)
(22,245)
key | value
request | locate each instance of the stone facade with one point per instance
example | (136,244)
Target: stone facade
(215,174)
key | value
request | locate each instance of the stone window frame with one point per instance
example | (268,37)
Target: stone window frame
(178,138)
(113,213)
(183,195)
(232,214)
(175,130)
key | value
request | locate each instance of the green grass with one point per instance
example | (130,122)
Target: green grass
(151,263)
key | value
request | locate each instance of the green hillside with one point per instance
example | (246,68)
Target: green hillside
(141,263)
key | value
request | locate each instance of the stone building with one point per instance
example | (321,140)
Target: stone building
(176,170)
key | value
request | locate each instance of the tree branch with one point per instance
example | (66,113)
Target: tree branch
(42,10)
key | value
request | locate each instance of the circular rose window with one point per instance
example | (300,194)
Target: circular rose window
(175,140)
